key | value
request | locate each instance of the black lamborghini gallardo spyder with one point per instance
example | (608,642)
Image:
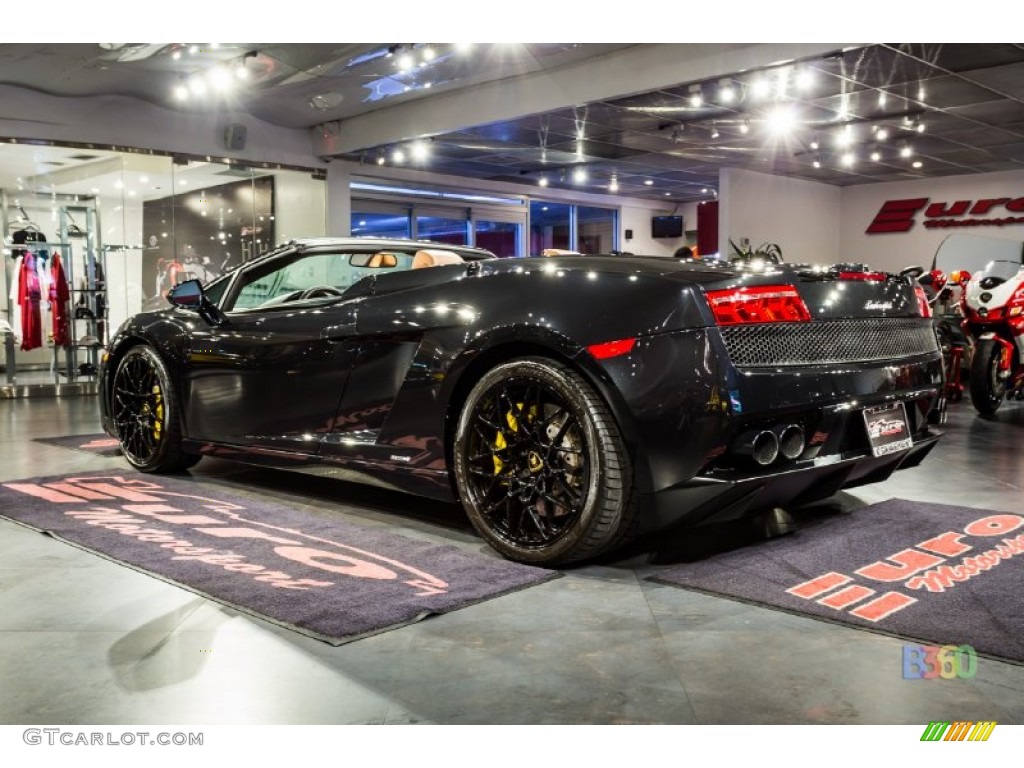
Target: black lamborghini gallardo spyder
(569,403)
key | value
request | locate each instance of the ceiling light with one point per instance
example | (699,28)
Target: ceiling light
(745,127)
(428,54)
(817,162)
(882,134)
(848,158)
(704,191)
(176,55)
(542,182)
(760,87)
(906,150)
(918,163)
(881,98)
(614,185)
(696,96)
(242,71)
(579,175)
(405,61)
(220,78)
(845,137)
(420,150)
(464,47)
(181,93)
(714,130)
(726,93)
(920,93)
(814,142)
(380,160)
(781,120)
(920,126)
(215,46)
(183,182)
(804,79)
(876,155)
(143,179)
(118,184)
(398,156)
(193,49)
(649,182)
(197,86)
(427,85)
(668,194)
(781,83)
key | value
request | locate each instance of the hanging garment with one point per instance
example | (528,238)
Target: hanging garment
(29,297)
(59,295)
(15,304)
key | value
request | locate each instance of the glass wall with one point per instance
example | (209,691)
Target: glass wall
(586,229)
(442,229)
(125,227)
(550,226)
(595,229)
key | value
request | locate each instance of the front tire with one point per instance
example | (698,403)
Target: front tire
(146,413)
(540,464)
(987,389)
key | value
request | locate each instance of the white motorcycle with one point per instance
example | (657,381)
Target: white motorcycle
(993,309)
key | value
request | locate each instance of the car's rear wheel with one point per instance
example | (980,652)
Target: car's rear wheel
(145,411)
(540,464)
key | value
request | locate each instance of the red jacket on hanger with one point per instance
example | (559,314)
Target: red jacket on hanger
(59,295)
(28,299)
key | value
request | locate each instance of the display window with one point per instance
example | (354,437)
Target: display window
(125,227)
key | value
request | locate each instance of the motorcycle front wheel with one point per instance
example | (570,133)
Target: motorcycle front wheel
(987,389)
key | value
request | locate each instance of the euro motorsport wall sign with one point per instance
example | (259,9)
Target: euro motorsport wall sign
(902,215)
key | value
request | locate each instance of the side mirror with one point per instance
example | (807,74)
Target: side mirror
(189,295)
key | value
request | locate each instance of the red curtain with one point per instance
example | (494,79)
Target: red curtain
(707,228)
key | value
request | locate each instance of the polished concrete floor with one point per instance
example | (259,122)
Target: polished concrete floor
(83,640)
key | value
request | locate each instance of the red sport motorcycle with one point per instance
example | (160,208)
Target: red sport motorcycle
(993,307)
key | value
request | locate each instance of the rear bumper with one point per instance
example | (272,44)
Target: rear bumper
(727,496)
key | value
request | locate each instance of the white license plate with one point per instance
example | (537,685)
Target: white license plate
(888,428)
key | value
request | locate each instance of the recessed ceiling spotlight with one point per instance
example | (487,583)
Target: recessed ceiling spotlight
(920,93)
(428,54)
(427,85)
(726,92)
(906,150)
(118,184)
(745,127)
(848,158)
(917,163)
(197,86)
(668,194)
(649,182)
(380,160)
(464,47)
(193,49)
(817,162)
(804,79)
(183,182)
(704,190)
(398,156)
(876,155)
(220,78)
(760,88)
(714,130)
(176,55)
(882,134)
(613,186)
(143,179)
(181,93)
(542,182)
(696,96)
(781,120)
(814,142)
(845,137)
(579,175)
(420,150)
(405,61)
(882,97)
(920,126)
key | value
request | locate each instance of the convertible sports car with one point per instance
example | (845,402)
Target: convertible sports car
(570,402)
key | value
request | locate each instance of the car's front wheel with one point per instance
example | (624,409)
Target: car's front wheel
(144,406)
(540,464)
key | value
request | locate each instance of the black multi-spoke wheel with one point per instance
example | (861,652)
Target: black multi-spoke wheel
(540,465)
(145,415)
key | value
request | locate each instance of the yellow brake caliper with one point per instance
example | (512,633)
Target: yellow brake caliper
(499,439)
(158,410)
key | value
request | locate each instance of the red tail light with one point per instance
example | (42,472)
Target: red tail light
(758,304)
(875,277)
(923,308)
(612,348)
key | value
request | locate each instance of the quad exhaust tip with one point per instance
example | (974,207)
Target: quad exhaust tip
(760,445)
(791,441)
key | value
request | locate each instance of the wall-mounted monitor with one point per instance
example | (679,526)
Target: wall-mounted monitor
(666,226)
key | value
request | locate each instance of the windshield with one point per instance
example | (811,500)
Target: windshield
(1004,270)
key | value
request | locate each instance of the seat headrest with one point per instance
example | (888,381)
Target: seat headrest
(432,257)
(383,261)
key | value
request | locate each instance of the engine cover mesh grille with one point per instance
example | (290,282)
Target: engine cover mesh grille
(828,341)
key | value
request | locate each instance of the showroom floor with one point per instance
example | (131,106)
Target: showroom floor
(83,640)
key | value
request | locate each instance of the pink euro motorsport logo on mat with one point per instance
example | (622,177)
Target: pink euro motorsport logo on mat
(927,566)
(169,520)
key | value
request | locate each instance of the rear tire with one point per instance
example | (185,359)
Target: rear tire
(987,389)
(146,413)
(540,464)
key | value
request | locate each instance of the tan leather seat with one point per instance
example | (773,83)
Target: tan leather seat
(431,257)
(559,252)
(383,261)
